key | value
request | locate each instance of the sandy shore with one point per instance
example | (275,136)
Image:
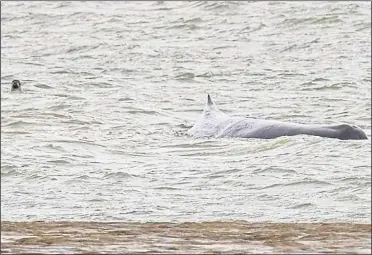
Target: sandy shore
(204,237)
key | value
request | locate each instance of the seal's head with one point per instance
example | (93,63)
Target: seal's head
(16,85)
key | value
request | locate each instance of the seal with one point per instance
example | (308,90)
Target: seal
(16,85)
(215,123)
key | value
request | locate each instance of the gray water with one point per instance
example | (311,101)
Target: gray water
(110,88)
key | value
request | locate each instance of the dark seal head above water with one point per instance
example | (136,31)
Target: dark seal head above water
(16,85)
(215,123)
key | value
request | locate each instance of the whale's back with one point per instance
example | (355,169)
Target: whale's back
(214,123)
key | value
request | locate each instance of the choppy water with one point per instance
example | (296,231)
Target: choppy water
(111,87)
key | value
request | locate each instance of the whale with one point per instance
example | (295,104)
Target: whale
(213,123)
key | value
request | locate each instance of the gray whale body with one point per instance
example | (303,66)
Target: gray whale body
(215,123)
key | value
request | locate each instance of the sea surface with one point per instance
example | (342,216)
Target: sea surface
(110,88)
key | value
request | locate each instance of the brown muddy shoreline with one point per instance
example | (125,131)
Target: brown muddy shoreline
(205,237)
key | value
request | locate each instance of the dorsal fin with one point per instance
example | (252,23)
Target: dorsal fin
(210,101)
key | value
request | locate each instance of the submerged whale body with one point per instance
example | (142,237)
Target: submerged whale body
(215,123)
